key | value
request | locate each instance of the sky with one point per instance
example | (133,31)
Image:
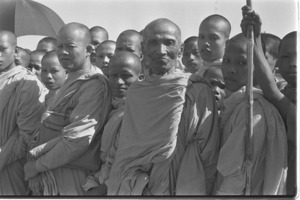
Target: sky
(279,17)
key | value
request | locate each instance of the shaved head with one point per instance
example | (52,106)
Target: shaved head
(47,44)
(8,50)
(130,40)
(125,58)
(217,20)
(77,30)
(162,25)
(98,34)
(9,36)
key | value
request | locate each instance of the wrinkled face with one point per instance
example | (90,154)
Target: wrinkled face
(53,74)
(191,57)
(46,46)
(121,76)
(103,56)
(36,64)
(215,78)
(131,44)
(234,66)
(72,50)
(211,41)
(287,60)
(7,52)
(162,48)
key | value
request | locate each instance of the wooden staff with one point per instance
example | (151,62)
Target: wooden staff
(249,107)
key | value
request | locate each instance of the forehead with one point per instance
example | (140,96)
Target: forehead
(162,30)
(288,44)
(128,39)
(106,48)
(5,40)
(123,65)
(49,61)
(69,35)
(236,47)
(212,26)
(191,43)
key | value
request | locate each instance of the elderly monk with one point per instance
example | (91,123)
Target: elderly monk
(21,107)
(66,148)
(169,138)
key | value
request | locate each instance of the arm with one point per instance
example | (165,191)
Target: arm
(262,71)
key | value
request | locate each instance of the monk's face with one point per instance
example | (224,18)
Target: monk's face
(72,49)
(162,47)
(191,57)
(7,51)
(104,52)
(122,73)
(287,60)
(36,64)
(234,65)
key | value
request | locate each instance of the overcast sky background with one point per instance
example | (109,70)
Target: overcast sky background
(279,16)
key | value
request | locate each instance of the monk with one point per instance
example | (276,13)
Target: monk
(66,148)
(165,115)
(21,107)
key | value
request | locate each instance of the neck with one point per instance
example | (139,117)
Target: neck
(85,66)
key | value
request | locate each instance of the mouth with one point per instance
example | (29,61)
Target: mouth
(205,51)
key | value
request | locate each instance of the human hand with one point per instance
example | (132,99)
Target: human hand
(30,170)
(250,18)
(35,185)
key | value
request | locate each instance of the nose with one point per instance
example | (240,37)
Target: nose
(230,70)
(106,59)
(120,81)
(216,90)
(191,57)
(48,76)
(162,49)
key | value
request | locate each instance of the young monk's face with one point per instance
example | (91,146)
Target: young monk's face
(162,48)
(36,64)
(121,76)
(72,49)
(104,52)
(7,52)
(131,44)
(191,56)
(215,77)
(211,40)
(287,60)
(53,74)
(234,65)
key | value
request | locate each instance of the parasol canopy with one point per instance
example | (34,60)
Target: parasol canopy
(27,17)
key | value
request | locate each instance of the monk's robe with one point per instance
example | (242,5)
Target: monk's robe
(205,65)
(194,165)
(109,145)
(269,147)
(148,135)
(84,102)
(290,93)
(50,98)
(21,106)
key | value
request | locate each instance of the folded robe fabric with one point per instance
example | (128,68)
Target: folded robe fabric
(22,97)
(269,147)
(148,134)
(88,110)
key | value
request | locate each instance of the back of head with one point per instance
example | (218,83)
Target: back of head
(190,39)
(129,34)
(22,58)
(37,53)
(271,43)
(219,19)
(47,44)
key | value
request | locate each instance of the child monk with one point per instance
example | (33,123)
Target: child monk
(47,44)
(36,62)
(53,76)
(215,77)
(23,58)
(104,52)
(285,103)
(98,35)
(214,31)
(130,40)
(124,69)
(269,141)
(191,57)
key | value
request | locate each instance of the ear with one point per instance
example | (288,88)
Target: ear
(180,51)
(141,76)
(17,49)
(89,49)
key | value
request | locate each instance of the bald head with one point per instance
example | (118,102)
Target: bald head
(217,20)
(9,37)
(77,30)
(47,44)
(125,58)
(162,25)
(130,40)
(50,55)
(98,35)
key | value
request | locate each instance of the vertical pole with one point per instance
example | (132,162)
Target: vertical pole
(249,107)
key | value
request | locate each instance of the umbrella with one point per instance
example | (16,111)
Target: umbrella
(27,17)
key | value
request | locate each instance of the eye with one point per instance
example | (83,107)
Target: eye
(169,42)
(284,56)
(201,37)
(226,60)
(213,37)
(243,62)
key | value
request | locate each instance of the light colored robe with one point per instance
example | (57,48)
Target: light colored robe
(269,147)
(21,106)
(87,111)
